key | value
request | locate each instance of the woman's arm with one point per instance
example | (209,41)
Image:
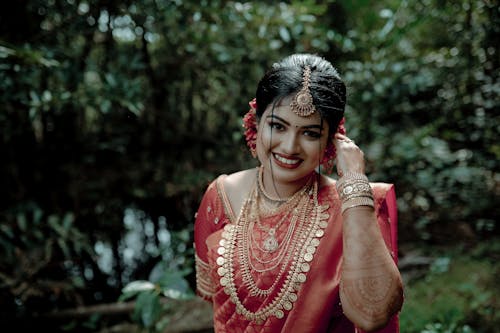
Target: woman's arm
(371,289)
(204,226)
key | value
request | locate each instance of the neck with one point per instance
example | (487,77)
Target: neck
(282,190)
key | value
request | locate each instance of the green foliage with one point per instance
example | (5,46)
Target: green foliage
(458,295)
(39,245)
(152,299)
(423,103)
(167,281)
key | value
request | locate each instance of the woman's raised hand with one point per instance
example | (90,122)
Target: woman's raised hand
(350,158)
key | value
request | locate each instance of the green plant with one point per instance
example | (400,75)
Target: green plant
(457,295)
(152,299)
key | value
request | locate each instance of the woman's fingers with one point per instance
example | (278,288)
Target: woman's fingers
(340,138)
(349,156)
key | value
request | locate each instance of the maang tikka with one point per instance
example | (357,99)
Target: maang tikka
(302,103)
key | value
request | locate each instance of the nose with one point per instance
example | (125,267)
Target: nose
(290,143)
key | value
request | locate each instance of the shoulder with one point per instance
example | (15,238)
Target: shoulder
(240,181)
(327,192)
(230,188)
(381,190)
(327,181)
(235,188)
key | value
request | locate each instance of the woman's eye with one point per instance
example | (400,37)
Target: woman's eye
(276,126)
(312,134)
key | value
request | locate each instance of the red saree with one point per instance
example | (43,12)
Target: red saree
(315,306)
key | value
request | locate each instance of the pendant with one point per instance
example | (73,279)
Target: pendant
(270,243)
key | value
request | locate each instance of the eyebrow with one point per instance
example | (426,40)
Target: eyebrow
(288,124)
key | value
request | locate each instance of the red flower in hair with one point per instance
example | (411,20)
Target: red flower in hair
(330,153)
(250,125)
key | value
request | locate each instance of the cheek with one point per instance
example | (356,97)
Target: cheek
(318,148)
(264,138)
(315,149)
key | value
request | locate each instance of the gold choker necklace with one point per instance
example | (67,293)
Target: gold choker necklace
(260,186)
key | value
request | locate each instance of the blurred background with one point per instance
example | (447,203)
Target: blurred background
(115,115)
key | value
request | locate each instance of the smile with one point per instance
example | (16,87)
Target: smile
(286,162)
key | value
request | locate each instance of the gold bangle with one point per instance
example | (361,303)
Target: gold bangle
(355,202)
(353,189)
(358,195)
(351,176)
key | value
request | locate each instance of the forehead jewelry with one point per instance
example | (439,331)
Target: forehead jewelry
(302,103)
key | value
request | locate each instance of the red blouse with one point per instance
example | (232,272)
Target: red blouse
(317,308)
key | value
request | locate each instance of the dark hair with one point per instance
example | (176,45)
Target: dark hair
(285,78)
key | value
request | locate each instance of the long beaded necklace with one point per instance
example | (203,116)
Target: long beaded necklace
(298,252)
(281,260)
(270,243)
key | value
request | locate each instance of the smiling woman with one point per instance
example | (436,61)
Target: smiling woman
(284,247)
(289,146)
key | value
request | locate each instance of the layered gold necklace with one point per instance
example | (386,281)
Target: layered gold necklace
(287,261)
(288,205)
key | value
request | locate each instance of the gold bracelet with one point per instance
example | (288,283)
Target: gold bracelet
(355,202)
(348,176)
(357,196)
(354,188)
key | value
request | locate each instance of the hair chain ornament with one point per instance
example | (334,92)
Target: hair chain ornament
(302,103)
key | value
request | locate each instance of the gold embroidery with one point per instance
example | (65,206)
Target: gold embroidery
(204,283)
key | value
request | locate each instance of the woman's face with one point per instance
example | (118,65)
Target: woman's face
(288,145)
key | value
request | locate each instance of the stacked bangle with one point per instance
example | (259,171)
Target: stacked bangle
(354,190)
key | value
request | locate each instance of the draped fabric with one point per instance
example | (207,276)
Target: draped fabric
(317,308)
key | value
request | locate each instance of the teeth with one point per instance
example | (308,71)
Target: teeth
(286,160)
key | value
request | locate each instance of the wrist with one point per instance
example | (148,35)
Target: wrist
(364,202)
(354,190)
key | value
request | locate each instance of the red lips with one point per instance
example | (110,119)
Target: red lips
(286,161)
